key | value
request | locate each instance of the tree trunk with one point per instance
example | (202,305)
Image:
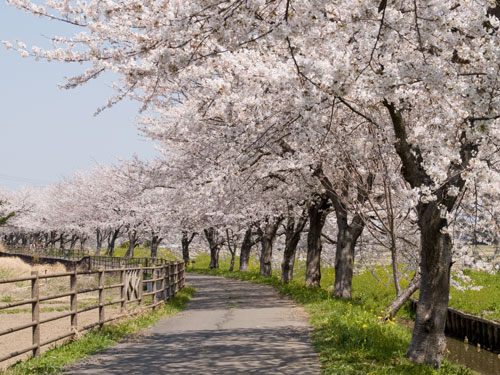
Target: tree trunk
(132,243)
(83,239)
(266,256)
(24,241)
(62,241)
(348,234)
(186,241)
(403,296)
(11,239)
(73,241)
(98,241)
(428,343)
(267,237)
(395,266)
(288,263)
(44,241)
(33,240)
(347,237)
(231,265)
(155,242)
(318,211)
(214,244)
(292,238)
(111,241)
(246,247)
(52,240)
(231,247)
(214,257)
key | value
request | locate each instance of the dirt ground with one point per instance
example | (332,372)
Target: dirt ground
(19,291)
(18,340)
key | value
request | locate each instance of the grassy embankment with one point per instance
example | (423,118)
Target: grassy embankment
(484,302)
(53,361)
(14,267)
(349,336)
(143,252)
(376,294)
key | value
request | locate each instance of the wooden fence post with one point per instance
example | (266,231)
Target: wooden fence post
(155,289)
(172,279)
(74,301)
(183,274)
(140,285)
(176,277)
(101,297)
(165,282)
(123,289)
(35,312)
(162,282)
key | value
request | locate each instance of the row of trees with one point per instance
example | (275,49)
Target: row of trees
(103,205)
(282,112)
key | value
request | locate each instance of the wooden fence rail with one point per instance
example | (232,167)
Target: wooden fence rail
(159,282)
(108,261)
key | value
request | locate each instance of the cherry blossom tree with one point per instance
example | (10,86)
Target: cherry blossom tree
(272,78)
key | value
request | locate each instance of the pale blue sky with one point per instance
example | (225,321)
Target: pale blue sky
(46,132)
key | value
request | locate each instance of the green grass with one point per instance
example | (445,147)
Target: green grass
(375,292)
(484,302)
(54,360)
(202,261)
(6,274)
(144,252)
(349,336)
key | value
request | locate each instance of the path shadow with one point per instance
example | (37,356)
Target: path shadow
(215,294)
(229,328)
(231,352)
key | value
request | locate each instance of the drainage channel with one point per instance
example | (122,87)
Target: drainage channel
(482,361)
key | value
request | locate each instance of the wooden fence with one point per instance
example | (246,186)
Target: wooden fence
(146,287)
(86,259)
(108,261)
(56,253)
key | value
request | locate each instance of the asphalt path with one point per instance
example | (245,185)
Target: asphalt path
(229,327)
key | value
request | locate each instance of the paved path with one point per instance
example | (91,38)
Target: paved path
(229,327)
